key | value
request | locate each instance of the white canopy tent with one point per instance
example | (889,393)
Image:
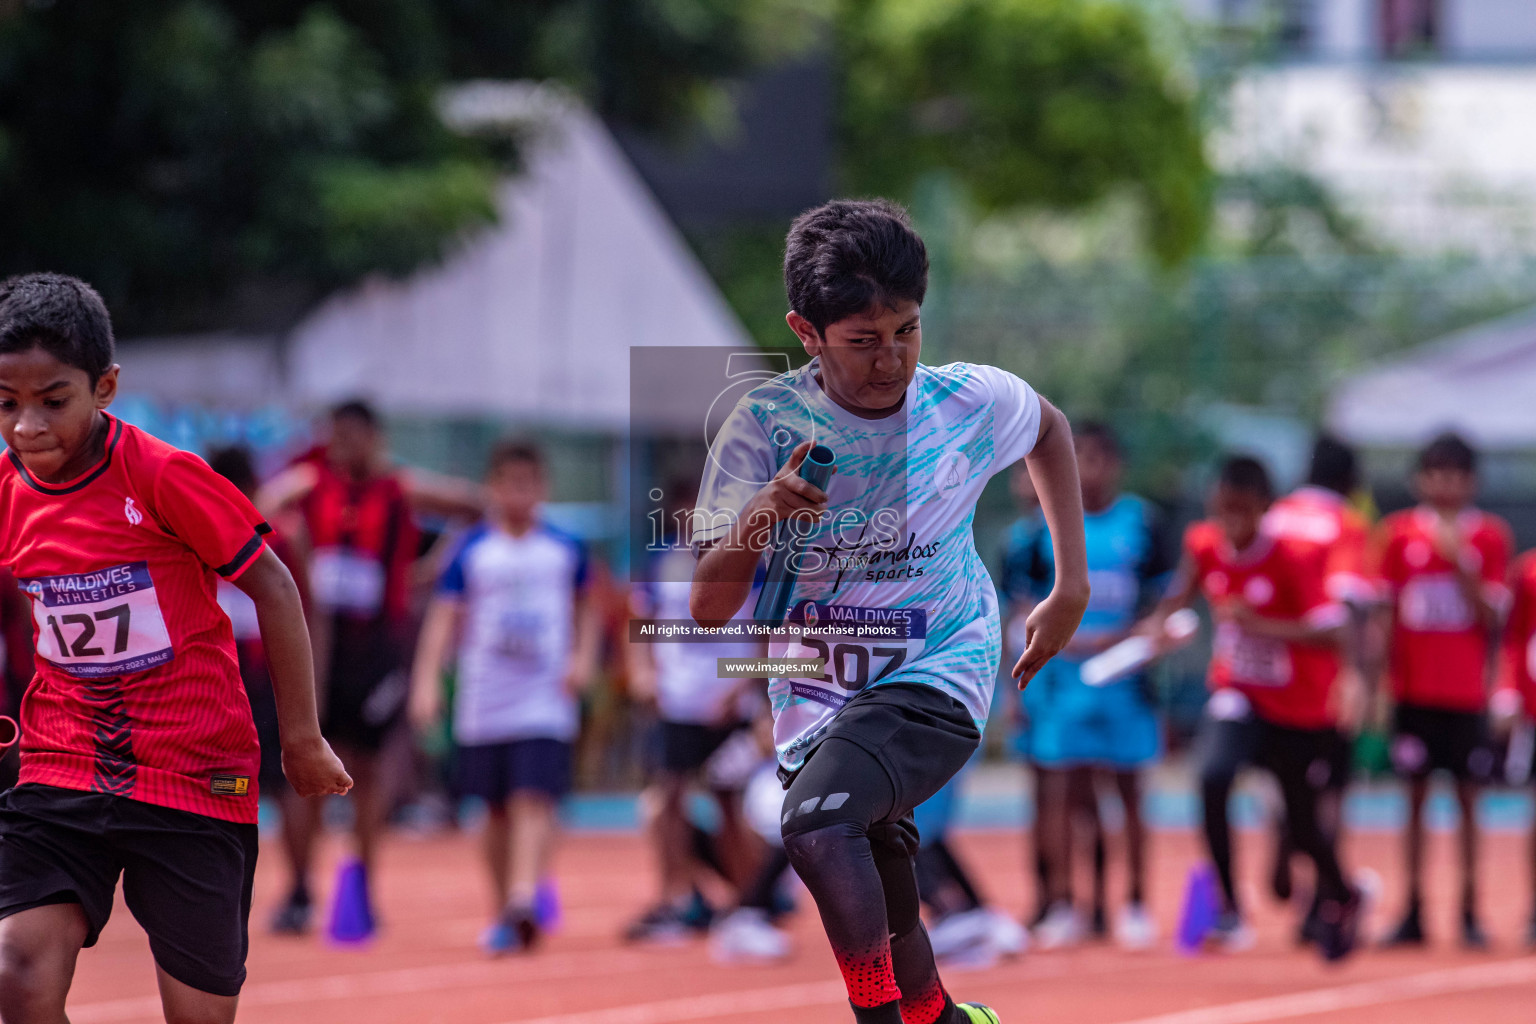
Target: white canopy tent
(1480,381)
(533,321)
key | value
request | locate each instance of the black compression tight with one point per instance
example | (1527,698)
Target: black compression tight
(858,865)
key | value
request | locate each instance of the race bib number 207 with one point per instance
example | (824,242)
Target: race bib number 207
(102,623)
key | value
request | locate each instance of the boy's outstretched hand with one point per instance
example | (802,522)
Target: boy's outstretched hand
(313,769)
(1047,632)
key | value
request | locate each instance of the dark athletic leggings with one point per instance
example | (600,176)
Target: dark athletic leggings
(1299,759)
(854,847)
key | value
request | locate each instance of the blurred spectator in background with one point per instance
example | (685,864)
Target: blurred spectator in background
(963,929)
(1018,598)
(1443,565)
(698,713)
(512,606)
(750,933)
(1274,669)
(1514,700)
(236,466)
(358,515)
(1319,512)
(1081,735)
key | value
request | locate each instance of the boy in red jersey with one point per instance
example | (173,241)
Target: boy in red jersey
(1319,513)
(138,749)
(1442,564)
(358,515)
(1516,692)
(1273,668)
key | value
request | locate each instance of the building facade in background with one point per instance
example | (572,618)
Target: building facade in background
(1417,113)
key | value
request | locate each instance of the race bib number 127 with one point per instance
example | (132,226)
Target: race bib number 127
(102,623)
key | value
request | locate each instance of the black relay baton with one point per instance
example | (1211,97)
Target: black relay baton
(784,566)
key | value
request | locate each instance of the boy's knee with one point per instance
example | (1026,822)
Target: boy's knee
(807,848)
(799,846)
(32,968)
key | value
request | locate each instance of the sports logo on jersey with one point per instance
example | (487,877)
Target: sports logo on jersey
(132,513)
(952,471)
(230,785)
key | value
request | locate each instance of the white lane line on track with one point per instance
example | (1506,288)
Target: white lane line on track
(444,977)
(484,973)
(1251,1011)
(786,997)
(398,981)
(718,1004)
(1379,992)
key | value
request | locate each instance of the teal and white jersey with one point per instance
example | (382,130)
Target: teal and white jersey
(891,575)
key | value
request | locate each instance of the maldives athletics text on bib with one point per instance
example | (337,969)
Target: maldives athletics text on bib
(102,623)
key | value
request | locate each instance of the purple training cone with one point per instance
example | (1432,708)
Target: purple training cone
(351,915)
(1201,908)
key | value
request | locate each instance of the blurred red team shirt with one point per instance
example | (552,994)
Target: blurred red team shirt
(1319,516)
(1287,683)
(1439,649)
(1517,667)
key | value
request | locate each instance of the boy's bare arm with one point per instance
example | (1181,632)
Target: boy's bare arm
(286,489)
(723,577)
(437,632)
(439,494)
(312,767)
(1053,468)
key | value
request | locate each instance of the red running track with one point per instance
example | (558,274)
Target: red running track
(425,967)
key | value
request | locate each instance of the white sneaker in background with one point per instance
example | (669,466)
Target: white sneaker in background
(954,934)
(976,957)
(1134,928)
(1062,927)
(1009,936)
(747,936)
(1231,934)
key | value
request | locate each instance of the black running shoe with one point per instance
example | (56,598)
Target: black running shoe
(662,925)
(697,914)
(1280,878)
(526,925)
(1472,935)
(1338,926)
(1409,932)
(293,917)
(1310,931)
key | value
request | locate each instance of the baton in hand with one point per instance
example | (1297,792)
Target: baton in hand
(784,566)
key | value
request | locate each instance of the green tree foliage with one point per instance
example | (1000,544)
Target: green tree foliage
(204,161)
(176,152)
(1047,103)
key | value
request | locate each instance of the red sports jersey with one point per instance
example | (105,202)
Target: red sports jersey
(1278,578)
(363,542)
(1517,666)
(137,690)
(1320,516)
(1439,653)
